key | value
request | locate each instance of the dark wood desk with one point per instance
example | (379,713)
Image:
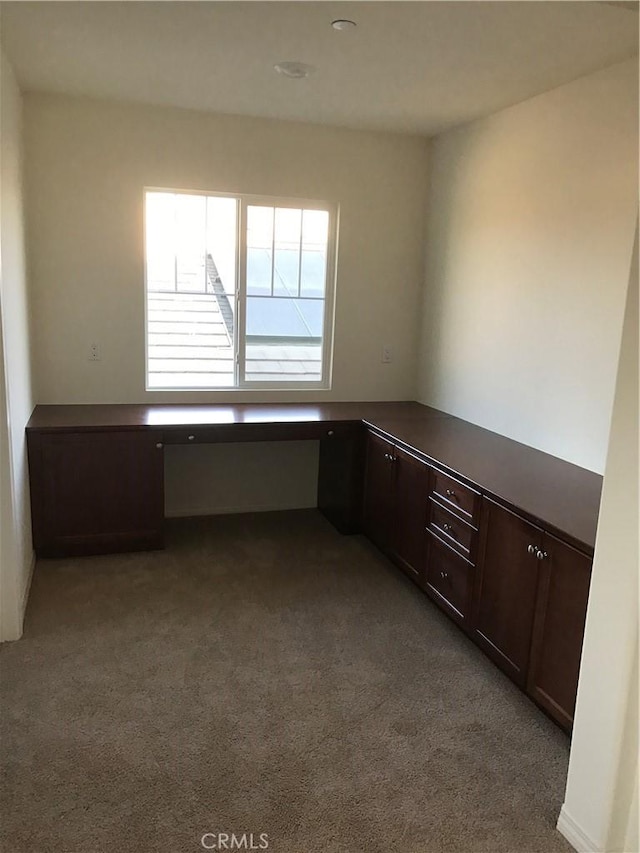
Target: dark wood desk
(96,471)
(499,535)
(546,490)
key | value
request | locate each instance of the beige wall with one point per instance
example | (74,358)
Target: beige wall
(530,228)
(88,162)
(599,812)
(247,477)
(16,403)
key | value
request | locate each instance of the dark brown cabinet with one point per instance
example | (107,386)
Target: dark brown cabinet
(395,503)
(96,492)
(558,628)
(530,603)
(378,504)
(505,594)
(340,476)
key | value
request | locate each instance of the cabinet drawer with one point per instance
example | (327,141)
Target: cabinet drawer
(462,500)
(275,431)
(449,579)
(184,435)
(455,532)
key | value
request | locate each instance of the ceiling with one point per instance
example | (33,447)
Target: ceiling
(415,67)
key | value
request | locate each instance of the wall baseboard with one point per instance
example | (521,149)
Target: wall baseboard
(575,835)
(194,511)
(14,632)
(27,588)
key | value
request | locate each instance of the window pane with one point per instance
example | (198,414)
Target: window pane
(190,238)
(287,252)
(284,326)
(221,242)
(259,250)
(191,327)
(315,230)
(160,241)
(283,340)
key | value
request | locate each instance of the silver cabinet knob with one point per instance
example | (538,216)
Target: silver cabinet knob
(330,432)
(444,575)
(191,437)
(450,493)
(159,445)
(446,527)
(541,555)
(531,549)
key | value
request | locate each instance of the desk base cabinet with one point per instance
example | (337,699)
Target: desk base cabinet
(395,504)
(340,476)
(96,492)
(530,605)
(558,629)
(505,593)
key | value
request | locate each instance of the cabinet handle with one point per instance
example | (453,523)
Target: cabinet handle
(330,432)
(444,575)
(191,437)
(541,555)
(449,529)
(159,445)
(531,549)
(450,493)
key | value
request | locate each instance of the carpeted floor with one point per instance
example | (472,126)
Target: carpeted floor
(263,674)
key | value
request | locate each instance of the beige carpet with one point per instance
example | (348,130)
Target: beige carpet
(263,675)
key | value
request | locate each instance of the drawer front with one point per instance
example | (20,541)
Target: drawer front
(313,430)
(461,499)
(455,532)
(449,580)
(184,435)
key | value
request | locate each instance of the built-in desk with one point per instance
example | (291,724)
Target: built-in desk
(78,453)
(498,534)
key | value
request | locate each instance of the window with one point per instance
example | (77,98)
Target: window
(239,291)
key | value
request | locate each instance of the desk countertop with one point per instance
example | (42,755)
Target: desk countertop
(563,497)
(140,416)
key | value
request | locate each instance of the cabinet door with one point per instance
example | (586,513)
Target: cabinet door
(505,592)
(411,488)
(378,492)
(96,492)
(561,609)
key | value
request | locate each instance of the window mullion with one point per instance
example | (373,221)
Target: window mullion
(175,243)
(241,295)
(300,255)
(273,247)
(206,237)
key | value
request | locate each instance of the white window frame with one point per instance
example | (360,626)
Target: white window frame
(243,202)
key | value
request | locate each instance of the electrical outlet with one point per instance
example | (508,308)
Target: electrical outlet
(386,354)
(94,352)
